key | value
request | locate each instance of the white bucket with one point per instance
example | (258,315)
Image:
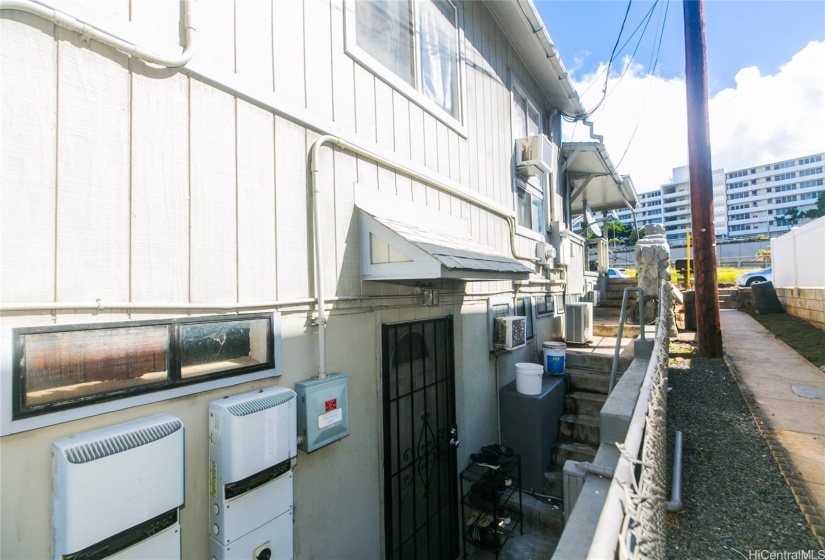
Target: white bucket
(528,378)
(554,353)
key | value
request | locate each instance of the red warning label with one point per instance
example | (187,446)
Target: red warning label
(331,404)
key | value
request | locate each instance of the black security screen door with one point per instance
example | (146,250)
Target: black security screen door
(420,478)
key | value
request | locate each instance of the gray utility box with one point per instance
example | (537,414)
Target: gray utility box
(323,411)
(530,426)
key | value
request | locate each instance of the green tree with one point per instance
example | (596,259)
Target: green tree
(819,211)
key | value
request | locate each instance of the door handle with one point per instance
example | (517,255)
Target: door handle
(454,436)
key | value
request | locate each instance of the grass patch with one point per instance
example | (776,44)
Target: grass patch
(799,334)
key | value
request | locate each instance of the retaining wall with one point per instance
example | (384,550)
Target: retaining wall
(807,303)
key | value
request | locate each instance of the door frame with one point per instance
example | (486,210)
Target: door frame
(389,512)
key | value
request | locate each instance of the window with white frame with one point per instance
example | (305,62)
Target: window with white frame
(529,190)
(524,308)
(417,41)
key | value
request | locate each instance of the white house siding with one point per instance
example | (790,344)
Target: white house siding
(126,182)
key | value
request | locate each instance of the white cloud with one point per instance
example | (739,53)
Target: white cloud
(762,119)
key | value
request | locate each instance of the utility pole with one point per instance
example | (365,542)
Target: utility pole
(708,325)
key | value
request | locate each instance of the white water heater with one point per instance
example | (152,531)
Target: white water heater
(252,451)
(117,492)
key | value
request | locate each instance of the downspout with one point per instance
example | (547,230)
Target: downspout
(314,168)
(87,30)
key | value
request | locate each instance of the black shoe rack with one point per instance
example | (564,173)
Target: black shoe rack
(481,490)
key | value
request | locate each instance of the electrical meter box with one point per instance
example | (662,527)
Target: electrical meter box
(323,411)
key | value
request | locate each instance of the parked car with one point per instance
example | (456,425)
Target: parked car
(617,273)
(745,280)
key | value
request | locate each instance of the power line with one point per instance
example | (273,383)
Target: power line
(650,71)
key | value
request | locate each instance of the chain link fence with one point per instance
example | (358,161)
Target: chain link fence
(632,523)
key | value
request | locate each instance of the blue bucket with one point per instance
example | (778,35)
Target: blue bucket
(554,353)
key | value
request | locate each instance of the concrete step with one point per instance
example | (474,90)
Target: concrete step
(553,481)
(589,360)
(589,381)
(582,402)
(622,281)
(612,330)
(573,451)
(614,290)
(540,515)
(579,427)
(730,304)
(614,303)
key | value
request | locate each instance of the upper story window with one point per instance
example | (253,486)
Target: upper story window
(526,119)
(413,45)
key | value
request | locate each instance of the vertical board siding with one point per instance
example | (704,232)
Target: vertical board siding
(92,171)
(162,21)
(318,57)
(288,34)
(291,204)
(365,103)
(417,151)
(347,246)
(401,140)
(253,43)
(257,270)
(215,21)
(160,185)
(28,65)
(343,80)
(430,142)
(214,195)
(249,207)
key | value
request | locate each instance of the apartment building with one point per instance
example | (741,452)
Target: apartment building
(765,199)
(772,198)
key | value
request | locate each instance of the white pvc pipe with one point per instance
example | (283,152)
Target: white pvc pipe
(87,30)
(100,305)
(675,503)
(314,169)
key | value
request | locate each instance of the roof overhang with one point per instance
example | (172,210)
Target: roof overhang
(524,28)
(594,180)
(398,250)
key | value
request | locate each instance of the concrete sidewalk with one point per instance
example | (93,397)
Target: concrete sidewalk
(786,395)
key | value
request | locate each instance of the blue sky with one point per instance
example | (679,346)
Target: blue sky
(738,33)
(766,77)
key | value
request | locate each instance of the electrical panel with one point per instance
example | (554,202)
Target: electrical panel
(323,411)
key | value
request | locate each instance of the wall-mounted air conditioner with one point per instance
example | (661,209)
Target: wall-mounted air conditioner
(252,451)
(578,322)
(510,332)
(116,492)
(535,155)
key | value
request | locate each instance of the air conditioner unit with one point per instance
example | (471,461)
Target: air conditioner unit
(116,492)
(578,322)
(252,451)
(510,332)
(535,155)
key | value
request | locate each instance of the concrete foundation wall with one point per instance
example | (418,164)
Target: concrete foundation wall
(807,303)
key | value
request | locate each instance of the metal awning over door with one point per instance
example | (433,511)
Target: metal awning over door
(395,250)
(594,180)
